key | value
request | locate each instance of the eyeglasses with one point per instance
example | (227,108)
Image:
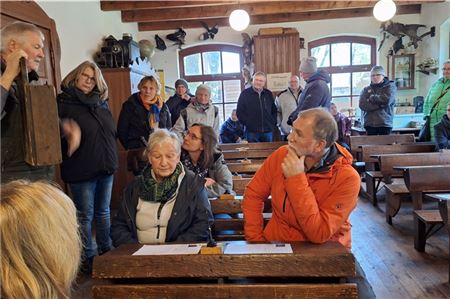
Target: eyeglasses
(446,69)
(87,78)
(192,136)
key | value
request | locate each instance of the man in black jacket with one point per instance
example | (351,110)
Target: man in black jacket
(256,110)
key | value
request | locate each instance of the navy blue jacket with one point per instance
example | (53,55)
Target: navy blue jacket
(230,131)
(133,122)
(315,94)
(175,104)
(257,112)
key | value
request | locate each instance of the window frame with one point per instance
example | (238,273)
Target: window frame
(346,68)
(213,77)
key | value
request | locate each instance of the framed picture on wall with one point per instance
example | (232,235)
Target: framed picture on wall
(401,70)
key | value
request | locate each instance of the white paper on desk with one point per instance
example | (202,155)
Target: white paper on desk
(169,249)
(241,248)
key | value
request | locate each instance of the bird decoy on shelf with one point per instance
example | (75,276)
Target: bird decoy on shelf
(160,44)
(400,30)
(178,37)
(210,32)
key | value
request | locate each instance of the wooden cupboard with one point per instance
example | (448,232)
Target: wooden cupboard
(122,82)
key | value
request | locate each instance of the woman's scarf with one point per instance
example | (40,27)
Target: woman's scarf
(186,160)
(153,108)
(92,99)
(200,107)
(153,191)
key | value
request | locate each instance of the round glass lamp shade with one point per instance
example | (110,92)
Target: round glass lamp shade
(384,10)
(239,19)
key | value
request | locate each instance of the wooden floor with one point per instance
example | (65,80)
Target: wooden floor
(387,255)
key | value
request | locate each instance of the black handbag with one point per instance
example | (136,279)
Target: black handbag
(425,131)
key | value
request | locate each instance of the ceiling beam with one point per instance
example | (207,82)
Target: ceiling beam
(225,10)
(277,18)
(133,5)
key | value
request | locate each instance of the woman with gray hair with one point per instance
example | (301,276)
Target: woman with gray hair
(88,168)
(200,111)
(167,203)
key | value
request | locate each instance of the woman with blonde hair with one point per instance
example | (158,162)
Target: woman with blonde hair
(141,114)
(89,167)
(40,242)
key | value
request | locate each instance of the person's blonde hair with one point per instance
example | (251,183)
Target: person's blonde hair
(41,245)
(16,31)
(100,85)
(154,81)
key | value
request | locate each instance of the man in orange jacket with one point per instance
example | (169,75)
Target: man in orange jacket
(313,186)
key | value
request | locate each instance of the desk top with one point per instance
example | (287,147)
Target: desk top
(330,259)
(439,196)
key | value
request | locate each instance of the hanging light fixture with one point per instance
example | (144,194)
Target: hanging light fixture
(384,10)
(239,19)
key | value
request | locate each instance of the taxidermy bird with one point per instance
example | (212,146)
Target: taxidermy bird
(160,44)
(398,45)
(210,32)
(399,30)
(177,37)
(247,48)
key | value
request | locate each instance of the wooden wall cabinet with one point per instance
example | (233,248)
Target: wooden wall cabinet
(401,70)
(278,53)
(122,82)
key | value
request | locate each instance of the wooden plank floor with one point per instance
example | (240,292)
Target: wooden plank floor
(386,254)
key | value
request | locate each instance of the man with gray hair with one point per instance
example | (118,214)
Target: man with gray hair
(199,111)
(316,92)
(287,102)
(18,40)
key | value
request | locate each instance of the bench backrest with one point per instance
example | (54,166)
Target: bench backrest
(357,141)
(245,167)
(368,150)
(428,178)
(252,146)
(239,185)
(247,154)
(389,161)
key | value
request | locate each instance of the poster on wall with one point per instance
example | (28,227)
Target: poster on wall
(278,82)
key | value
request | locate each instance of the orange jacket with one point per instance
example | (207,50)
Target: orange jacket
(306,207)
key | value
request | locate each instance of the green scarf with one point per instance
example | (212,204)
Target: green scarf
(151,190)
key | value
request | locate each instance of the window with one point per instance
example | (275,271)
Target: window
(219,67)
(348,60)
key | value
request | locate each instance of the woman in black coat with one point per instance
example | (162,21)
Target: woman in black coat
(89,153)
(141,114)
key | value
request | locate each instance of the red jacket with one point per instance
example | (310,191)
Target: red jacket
(306,207)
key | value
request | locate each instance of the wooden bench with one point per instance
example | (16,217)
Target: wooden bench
(247,168)
(252,146)
(229,220)
(421,180)
(395,165)
(239,184)
(357,141)
(235,155)
(387,162)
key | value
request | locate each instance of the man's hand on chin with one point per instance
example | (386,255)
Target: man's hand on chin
(292,164)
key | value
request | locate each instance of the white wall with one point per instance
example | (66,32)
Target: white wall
(81,27)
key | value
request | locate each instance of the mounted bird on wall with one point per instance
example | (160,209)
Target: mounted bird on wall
(178,37)
(160,44)
(210,32)
(400,30)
